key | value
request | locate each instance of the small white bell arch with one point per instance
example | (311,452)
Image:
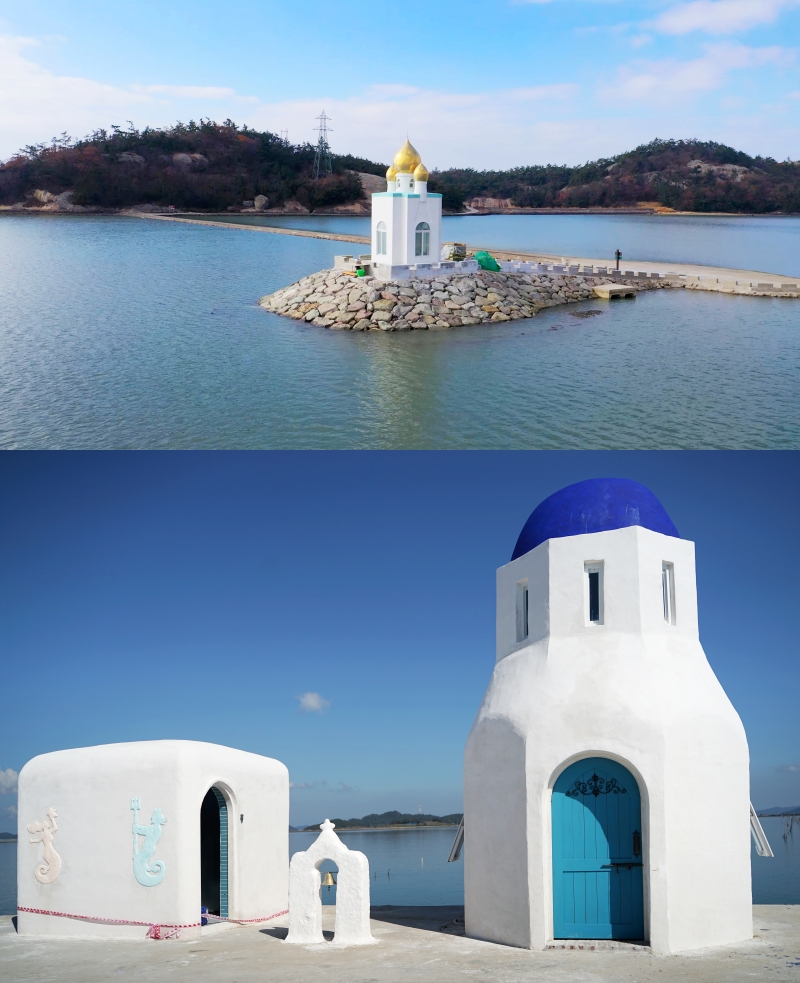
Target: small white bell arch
(352,892)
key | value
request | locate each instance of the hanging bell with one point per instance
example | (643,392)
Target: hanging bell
(328,881)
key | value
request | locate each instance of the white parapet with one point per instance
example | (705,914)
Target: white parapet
(419,271)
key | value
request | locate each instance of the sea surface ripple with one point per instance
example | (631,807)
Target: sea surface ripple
(124,333)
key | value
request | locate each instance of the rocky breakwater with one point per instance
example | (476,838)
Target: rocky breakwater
(340,301)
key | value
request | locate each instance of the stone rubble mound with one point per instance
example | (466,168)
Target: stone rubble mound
(340,301)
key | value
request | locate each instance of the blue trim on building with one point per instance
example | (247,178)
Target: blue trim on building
(596,505)
(400,194)
(223,851)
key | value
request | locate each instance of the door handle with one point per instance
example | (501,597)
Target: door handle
(624,864)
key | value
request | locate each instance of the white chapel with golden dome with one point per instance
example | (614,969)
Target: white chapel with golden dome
(406,220)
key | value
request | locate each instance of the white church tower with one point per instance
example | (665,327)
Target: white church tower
(607,773)
(406,220)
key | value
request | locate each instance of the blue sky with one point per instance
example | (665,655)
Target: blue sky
(481,83)
(203,596)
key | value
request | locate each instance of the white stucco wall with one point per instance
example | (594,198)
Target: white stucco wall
(91,790)
(402,212)
(635,689)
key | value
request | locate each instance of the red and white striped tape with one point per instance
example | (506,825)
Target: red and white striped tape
(247,921)
(153,928)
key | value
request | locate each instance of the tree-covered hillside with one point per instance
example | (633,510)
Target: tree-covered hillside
(687,175)
(206,166)
(213,167)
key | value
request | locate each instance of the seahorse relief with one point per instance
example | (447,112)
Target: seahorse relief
(42,832)
(146,873)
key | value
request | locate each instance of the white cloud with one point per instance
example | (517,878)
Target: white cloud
(668,79)
(8,781)
(529,124)
(720,16)
(35,103)
(540,93)
(442,125)
(343,787)
(303,785)
(191,91)
(313,702)
(12,811)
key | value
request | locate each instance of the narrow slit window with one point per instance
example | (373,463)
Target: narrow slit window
(668,592)
(594,593)
(522,611)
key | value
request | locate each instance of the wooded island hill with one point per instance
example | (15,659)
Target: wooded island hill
(215,167)
(389,819)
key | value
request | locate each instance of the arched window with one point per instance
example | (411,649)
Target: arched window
(422,239)
(380,245)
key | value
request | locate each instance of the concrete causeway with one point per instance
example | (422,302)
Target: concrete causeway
(423,945)
(717,279)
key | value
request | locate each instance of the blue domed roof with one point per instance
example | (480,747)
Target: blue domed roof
(593,506)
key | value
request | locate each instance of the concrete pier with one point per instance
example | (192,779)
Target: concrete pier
(423,945)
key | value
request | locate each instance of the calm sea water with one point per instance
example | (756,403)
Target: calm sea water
(128,333)
(406,866)
(409,867)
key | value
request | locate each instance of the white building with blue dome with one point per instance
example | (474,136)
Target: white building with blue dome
(607,772)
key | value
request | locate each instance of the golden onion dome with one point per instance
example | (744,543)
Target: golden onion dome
(421,172)
(406,159)
(391,174)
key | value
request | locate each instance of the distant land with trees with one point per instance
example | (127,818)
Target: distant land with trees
(393,819)
(212,167)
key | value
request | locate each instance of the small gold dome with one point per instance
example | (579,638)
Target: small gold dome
(406,159)
(421,172)
(391,174)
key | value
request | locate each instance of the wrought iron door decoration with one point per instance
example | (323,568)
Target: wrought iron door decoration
(595,786)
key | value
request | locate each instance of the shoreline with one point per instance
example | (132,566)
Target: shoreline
(348,211)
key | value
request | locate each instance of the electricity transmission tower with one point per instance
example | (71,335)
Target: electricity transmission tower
(323,165)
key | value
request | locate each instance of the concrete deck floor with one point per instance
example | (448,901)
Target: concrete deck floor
(411,947)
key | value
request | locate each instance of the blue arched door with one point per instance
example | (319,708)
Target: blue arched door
(597,853)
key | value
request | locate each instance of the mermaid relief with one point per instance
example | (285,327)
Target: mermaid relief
(42,832)
(146,873)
